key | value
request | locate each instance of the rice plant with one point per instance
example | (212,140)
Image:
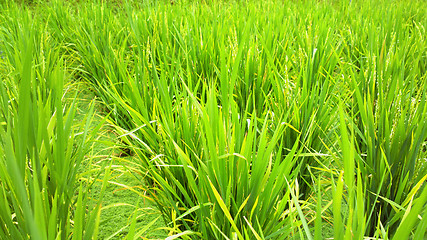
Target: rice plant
(41,147)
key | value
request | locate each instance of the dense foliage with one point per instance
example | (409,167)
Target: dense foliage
(247,120)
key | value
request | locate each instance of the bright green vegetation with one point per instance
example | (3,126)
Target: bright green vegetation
(119,203)
(233,120)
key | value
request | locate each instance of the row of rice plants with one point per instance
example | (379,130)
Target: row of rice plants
(41,145)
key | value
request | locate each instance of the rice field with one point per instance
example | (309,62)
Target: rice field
(226,120)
